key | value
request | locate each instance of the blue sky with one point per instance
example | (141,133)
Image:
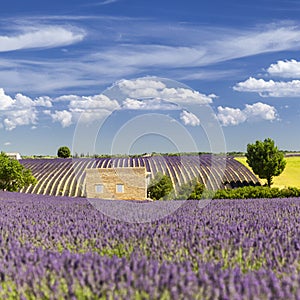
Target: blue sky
(87,74)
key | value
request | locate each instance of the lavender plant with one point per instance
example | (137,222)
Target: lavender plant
(63,248)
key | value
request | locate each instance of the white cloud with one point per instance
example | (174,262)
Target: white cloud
(285,69)
(141,88)
(255,112)
(69,109)
(21,101)
(5,100)
(189,118)
(43,101)
(81,104)
(149,94)
(93,107)
(272,39)
(185,96)
(106,2)
(88,108)
(7,144)
(142,94)
(64,117)
(134,104)
(230,116)
(121,51)
(269,88)
(42,37)
(260,111)
(217,45)
(151,88)
(148,104)
(20,117)
(21,110)
(154,55)
(205,74)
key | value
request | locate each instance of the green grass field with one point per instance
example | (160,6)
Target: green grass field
(289,177)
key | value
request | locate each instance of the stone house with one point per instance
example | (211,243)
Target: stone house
(117,183)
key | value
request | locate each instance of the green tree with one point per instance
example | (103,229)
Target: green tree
(13,175)
(160,187)
(63,152)
(197,191)
(265,159)
(191,190)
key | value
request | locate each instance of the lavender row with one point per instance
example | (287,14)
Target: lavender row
(38,274)
(67,176)
(227,250)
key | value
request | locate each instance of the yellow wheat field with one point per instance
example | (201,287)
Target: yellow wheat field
(289,177)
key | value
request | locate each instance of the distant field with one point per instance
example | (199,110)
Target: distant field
(289,177)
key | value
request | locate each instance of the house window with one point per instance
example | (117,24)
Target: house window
(99,188)
(120,188)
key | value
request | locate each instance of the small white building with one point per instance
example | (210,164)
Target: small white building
(14,155)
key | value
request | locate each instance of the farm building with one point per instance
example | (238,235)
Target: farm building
(14,155)
(117,183)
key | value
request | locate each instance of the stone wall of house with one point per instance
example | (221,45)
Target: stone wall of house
(107,183)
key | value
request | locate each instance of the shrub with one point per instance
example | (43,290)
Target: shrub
(190,190)
(13,175)
(160,187)
(250,192)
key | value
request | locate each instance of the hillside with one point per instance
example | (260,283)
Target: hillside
(66,177)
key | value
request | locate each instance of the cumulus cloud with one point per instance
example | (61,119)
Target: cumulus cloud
(139,94)
(86,108)
(151,88)
(272,88)
(269,88)
(186,96)
(20,117)
(189,118)
(141,88)
(285,69)
(5,100)
(260,111)
(142,94)
(43,37)
(21,110)
(256,112)
(230,116)
(64,117)
(81,104)
(151,94)
(43,101)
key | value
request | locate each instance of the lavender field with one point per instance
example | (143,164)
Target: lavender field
(63,248)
